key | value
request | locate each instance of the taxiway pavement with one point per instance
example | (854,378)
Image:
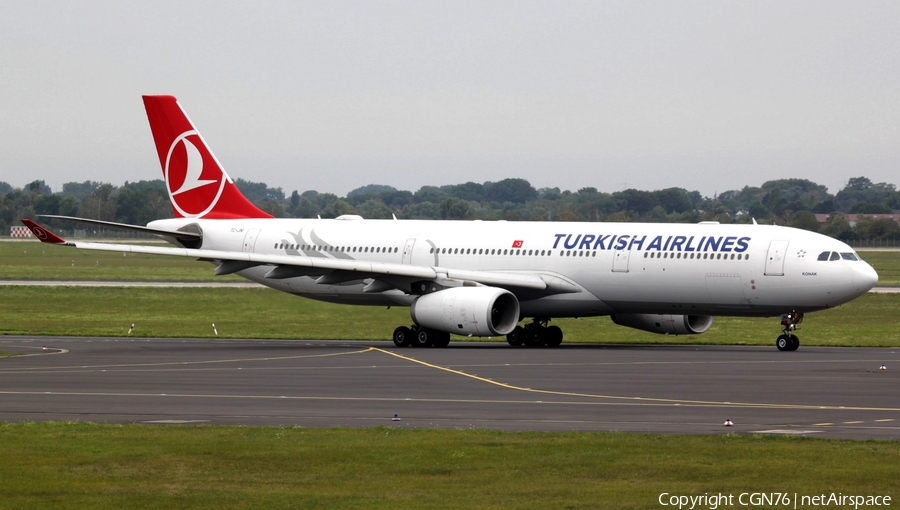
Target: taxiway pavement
(815,391)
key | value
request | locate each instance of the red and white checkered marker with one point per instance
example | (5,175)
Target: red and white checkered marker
(882,367)
(729,423)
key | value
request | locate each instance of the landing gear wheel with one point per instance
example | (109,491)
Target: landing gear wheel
(441,339)
(795,343)
(783,343)
(424,338)
(516,337)
(534,337)
(790,322)
(402,336)
(553,336)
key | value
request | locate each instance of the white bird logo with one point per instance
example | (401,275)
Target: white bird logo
(194,169)
(192,205)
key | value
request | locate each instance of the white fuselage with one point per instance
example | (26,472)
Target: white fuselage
(698,269)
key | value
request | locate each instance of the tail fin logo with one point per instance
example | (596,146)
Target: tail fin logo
(192,193)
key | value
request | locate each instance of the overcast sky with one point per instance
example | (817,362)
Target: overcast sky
(331,96)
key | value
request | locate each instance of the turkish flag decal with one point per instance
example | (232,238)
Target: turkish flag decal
(517,244)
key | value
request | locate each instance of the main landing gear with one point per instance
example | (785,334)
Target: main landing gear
(536,334)
(788,341)
(417,336)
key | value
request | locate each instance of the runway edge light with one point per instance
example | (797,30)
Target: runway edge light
(395,418)
(729,423)
(882,367)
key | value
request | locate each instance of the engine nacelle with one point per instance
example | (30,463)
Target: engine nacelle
(477,311)
(665,324)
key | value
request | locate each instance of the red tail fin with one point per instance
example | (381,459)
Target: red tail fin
(198,186)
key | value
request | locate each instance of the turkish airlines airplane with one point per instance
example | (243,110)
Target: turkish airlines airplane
(481,278)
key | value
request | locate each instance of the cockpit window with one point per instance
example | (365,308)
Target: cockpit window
(833,255)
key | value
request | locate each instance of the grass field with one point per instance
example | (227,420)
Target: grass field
(41,261)
(82,465)
(68,465)
(871,320)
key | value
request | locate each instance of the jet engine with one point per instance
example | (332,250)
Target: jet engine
(477,311)
(665,324)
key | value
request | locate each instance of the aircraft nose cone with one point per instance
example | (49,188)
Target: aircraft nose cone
(865,277)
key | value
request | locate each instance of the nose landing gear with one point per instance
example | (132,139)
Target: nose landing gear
(788,341)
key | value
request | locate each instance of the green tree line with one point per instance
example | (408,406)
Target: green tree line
(793,202)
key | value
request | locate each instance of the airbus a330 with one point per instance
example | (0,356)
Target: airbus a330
(481,278)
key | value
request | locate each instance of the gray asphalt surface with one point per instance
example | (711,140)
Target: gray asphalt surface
(815,391)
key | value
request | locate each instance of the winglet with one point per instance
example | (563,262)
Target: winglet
(42,233)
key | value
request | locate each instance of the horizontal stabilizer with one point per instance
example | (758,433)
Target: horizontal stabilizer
(125,226)
(42,233)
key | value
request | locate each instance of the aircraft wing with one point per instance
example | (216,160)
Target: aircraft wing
(328,270)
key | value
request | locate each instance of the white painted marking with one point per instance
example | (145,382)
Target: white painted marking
(786,431)
(175,422)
